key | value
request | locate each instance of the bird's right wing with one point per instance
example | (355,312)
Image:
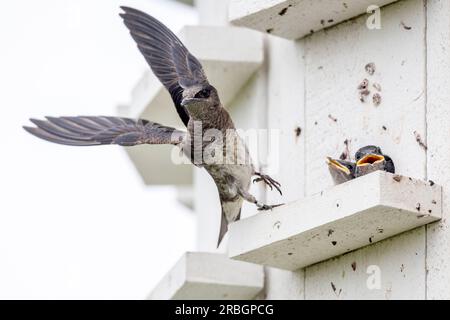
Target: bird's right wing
(92,131)
(169,59)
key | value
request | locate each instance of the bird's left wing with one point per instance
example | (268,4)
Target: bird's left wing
(169,59)
(92,131)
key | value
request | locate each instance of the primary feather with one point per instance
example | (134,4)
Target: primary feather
(92,131)
(169,59)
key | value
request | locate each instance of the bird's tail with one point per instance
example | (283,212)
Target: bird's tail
(224,221)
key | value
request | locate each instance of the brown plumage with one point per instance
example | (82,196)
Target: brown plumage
(209,126)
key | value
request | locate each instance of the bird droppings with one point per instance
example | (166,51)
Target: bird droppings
(330,21)
(345,5)
(363,94)
(334,243)
(377,86)
(380,230)
(363,85)
(370,68)
(420,141)
(277,225)
(298,132)
(290,254)
(316,123)
(376,99)
(397,178)
(405,26)
(269,31)
(332,118)
(384,128)
(431,183)
(434,202)
(333,287)
(330,232)
(430,211)
(311,31)
(418,207)
(371,239)
(284,10)
(346,153)
(402,268)
(322,22)
(354,266)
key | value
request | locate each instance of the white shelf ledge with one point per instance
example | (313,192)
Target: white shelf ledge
(210,276)
(228,70)
(294,19)
(344,218)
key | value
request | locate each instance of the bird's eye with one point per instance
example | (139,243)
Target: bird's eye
(203,94)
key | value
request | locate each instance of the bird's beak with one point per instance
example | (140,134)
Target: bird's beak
(187,101)
(337,166)
(370,159)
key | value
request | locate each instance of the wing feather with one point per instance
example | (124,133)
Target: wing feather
(90,131)
(169,59)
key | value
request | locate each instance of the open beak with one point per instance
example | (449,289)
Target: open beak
(337,166)
(369,159)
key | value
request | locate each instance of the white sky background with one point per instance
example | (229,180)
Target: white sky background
(78,222)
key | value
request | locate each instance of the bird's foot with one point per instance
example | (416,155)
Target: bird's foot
(266,207)
(268,181)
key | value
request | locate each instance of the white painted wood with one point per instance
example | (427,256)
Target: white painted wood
(228,70)
(201,276)
(438,120)
(294,19)
(334,61)
(213,13)
(286,73)
(335,66)
(338,220)
(400,277)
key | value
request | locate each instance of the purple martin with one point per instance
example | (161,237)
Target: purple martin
(341,171)
(370,159)
(197,104)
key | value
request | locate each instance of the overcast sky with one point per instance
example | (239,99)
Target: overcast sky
(78,222)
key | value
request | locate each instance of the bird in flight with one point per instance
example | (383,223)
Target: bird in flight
(368,160)
(206,142)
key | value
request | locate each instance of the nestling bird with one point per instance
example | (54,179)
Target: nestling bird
(370,159)
(198,105)
(341,171)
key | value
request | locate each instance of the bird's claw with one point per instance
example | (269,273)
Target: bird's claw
(268,181)
(266,207)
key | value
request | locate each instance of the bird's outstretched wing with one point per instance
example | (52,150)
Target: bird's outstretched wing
(92,131)
(169,59)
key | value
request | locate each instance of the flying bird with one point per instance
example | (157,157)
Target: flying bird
(370,159)
(197,104)
(341,171)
